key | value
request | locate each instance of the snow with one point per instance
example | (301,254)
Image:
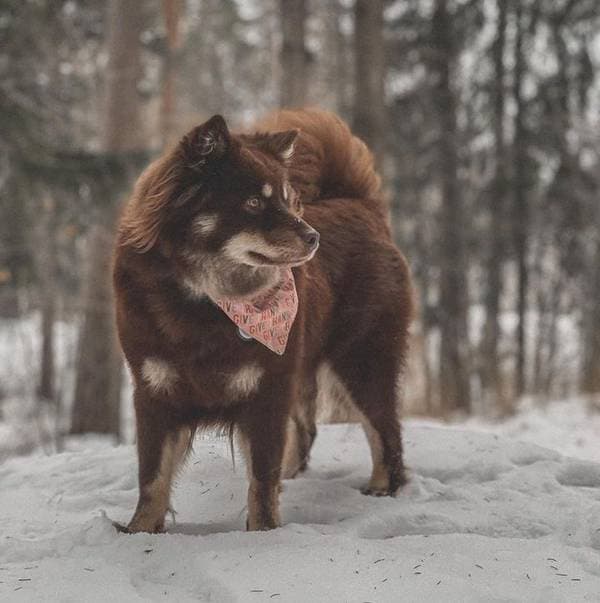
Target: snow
(484,518)
(20,351)
(570,426)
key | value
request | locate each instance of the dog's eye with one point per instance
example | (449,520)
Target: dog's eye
(254,204)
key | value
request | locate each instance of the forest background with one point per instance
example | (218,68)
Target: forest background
(483,116)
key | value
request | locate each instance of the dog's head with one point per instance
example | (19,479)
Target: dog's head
(228,196)
(221,208)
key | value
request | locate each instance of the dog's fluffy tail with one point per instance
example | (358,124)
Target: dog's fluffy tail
(328,160)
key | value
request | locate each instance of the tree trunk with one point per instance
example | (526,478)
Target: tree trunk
(590,374)
(46,263)
(342,77)
(123,129)
(171,12)
(294,56)
(369,56)
(453,297)
(96,405)
(491,374)
(520,209)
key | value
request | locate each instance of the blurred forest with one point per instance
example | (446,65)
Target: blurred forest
(484,118)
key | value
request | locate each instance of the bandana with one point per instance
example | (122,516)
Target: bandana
(269,317)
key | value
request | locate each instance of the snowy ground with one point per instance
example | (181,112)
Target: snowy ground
(569,426)
(484,519)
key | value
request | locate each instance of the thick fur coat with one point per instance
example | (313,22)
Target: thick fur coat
(218,216)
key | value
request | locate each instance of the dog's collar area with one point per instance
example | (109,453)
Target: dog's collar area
(243,335)
(268,318)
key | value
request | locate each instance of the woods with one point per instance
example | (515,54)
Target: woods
(483,116)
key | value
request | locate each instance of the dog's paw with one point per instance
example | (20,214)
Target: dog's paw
(133,528)
(370,491)
(384,489)
(121,528)
(261,526)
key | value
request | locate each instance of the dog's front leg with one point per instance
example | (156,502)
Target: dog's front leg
(161,446)
(263,436)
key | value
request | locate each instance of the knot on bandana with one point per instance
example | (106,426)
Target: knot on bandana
(267,318)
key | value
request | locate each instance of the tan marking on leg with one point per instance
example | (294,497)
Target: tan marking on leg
(263,506)
(380,480)
(291,453)
(331,387)
(154,497)
(333,398)
(263,501)
(244,447)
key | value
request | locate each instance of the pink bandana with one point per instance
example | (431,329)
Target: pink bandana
(269,317)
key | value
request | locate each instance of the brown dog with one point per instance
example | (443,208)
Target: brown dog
(229,316)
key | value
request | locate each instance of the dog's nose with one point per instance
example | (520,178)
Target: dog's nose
(311,238)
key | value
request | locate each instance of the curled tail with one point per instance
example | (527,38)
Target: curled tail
(328,161)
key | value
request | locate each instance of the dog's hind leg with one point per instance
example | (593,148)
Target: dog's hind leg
(301,431)
(371,378)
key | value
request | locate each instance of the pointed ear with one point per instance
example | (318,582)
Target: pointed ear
(281,144)
(206,143)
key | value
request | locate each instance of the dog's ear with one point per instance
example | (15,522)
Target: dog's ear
(206,143)
(281,144)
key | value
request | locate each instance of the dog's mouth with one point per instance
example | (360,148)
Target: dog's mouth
(258,259)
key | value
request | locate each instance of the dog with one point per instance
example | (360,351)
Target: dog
(250,269)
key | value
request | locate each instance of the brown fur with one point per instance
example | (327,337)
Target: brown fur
(328,161)
(190,367)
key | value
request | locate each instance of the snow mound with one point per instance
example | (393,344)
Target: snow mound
(483,519)
(571,426)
